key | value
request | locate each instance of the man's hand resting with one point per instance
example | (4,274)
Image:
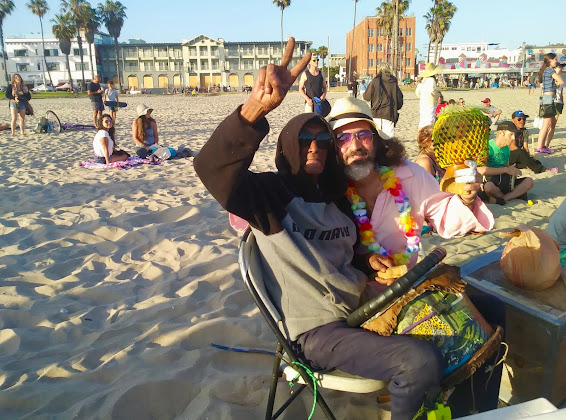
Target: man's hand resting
(513,170)
(272,84)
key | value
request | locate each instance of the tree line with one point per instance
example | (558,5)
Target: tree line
(76,17)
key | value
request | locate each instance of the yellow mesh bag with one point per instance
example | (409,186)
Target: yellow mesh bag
(460,133)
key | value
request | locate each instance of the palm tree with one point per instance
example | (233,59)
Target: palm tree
(446,11)
(399,7)
(282,4)
(92,24)
(352,48)
(40,8)
(112,14)
(385,24)
(6,7)
(64,30)
(322,53)
(77,8)
(431,28)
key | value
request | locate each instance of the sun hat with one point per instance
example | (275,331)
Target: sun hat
(142,109)
(486,100)
(508,126)
(519,114)
(430,70)
(347,110)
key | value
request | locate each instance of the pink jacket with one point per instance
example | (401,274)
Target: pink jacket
(444,211)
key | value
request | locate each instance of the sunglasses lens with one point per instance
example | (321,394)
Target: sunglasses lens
(365,136)
(344,139)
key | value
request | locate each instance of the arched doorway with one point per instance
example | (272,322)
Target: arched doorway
(234,81)
(205,80)
(216,79)
(163,81)
(177,81)
(248,79)
(193,81)
(148,81)
(133,82)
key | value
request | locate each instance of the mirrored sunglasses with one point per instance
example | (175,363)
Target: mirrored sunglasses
(344,140)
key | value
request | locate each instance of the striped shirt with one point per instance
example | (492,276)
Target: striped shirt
(548,83)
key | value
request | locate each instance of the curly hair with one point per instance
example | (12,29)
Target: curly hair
(388,152)
(111,130)
(424,140)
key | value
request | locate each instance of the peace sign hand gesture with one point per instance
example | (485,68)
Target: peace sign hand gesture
(272,84)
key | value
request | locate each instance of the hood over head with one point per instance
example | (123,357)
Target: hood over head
(332,181)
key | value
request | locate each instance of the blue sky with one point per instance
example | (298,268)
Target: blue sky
(504,21)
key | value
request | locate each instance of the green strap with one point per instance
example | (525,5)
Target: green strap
(314,381)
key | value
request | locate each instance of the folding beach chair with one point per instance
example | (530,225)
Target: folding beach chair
(294,369)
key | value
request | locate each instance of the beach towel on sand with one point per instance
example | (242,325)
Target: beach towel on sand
(124,164)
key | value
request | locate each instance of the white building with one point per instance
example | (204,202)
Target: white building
(474,50)
(25,57)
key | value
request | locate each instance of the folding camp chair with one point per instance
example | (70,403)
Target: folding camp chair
(294,369)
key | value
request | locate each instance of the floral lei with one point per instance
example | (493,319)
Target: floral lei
(406,222)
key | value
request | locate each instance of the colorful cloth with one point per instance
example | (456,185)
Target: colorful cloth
(123,164)
(563,257)
(445,212)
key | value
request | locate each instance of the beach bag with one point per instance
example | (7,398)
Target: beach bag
(321,107)
(531,259)
(438,311)
(161,152)
(537,122)
(546,110)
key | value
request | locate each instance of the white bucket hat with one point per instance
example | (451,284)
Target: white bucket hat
(347,110)
(142,109)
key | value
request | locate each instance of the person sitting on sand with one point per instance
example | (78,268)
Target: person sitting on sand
(520,150)
(144,128)
(426,157)
(502,183)
(490,111)
(289,212)
(557,226)
(104,144)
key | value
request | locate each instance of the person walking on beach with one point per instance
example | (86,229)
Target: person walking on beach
(386,99)
(111,95)
(532,83)
(312,85)
(95,94)
(549,79)
(18,94)
(426,91)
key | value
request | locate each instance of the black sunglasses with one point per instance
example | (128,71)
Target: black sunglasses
(322,139)
(521,119)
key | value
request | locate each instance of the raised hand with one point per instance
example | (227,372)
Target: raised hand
(272,84)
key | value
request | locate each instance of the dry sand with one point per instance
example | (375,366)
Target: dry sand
(115,282)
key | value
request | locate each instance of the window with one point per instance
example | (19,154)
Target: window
(162,52)
(407,62)
(51,53)
(77,51)
(380,47)
(214,51)
(22,67)
(53,66)
(20,53)
(263,51)
(247,64)
(454,48)
(193,66)
(38,66)
(410,30)
(132,66)
(262,62)
(248,51)
(370,47)
(78,66)
(232,51)
(204,64)
(147,65)
(478,49)
(203,50)
(408,47)
(193,51)
(163,65)
(400,31)
(178,65)
(215,64)
(370,62)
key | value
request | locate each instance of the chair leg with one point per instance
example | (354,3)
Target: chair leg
(274,380)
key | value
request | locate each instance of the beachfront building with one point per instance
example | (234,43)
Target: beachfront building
(371,48)
(24,56)
(338,60)
(481,61)
(200,62)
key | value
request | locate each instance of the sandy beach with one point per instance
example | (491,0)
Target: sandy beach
(113,283)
